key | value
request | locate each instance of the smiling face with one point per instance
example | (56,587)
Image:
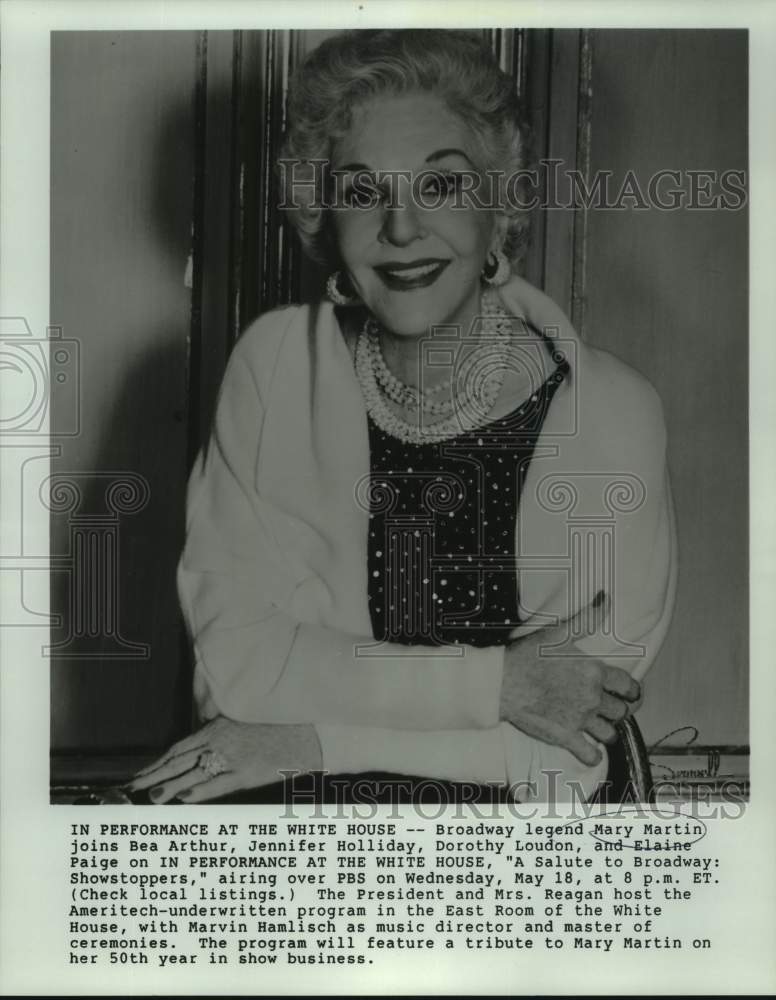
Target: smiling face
(412,266)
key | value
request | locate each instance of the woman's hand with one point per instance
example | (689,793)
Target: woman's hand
(226,756)
(560,699)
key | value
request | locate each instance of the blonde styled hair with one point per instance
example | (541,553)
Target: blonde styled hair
(353,67)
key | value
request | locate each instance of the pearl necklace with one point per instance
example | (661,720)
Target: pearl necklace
(481,374)
(400,392)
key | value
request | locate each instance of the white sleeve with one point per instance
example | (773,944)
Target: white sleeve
(253,661)
(645,568)
(452,755)
(501,756)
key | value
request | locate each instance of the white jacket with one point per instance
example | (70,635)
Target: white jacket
(273,582)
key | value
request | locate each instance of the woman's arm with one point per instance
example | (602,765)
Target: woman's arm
(568,702)
(257,663)
(254,662)
(558,707)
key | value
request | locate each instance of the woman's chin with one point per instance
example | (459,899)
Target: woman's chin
(414,315)
(410,327)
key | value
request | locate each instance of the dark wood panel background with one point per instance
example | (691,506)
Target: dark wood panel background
(166,242)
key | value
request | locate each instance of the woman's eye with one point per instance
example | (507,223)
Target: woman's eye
(440,185)
(364,193)
(354,198)
(361,194)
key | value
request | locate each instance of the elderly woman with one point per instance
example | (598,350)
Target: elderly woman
(432,532)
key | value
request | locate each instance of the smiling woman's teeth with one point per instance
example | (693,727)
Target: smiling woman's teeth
(406,274)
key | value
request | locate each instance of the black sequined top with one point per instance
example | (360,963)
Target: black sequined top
(441,549)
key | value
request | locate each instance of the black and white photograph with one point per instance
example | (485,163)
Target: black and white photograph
(383,462)
(412,411)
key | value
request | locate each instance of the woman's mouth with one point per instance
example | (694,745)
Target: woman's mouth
(415,274)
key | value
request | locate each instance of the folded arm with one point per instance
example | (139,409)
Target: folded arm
(254,662)
(407,709)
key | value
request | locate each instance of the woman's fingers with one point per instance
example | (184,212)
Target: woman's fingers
(600,729)
(164,791)
(620,683)
(165,769)
(213,789)
(614,709)
(581,748)
(195,741)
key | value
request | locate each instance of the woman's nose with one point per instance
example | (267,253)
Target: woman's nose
(401,226)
